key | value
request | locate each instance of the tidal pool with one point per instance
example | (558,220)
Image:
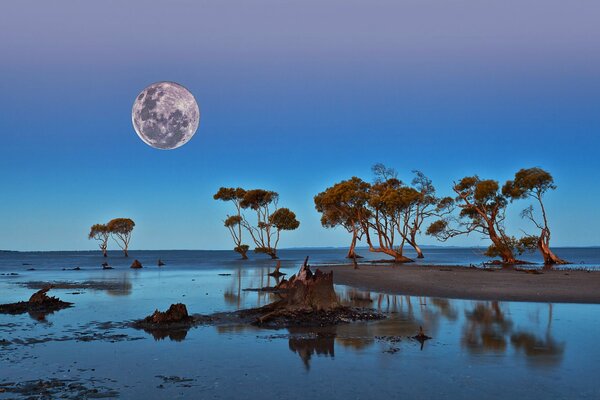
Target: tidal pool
(479,349)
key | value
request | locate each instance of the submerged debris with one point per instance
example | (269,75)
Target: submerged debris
(173,323)
(175,313)
(58,388)
(305,300)
(38,305)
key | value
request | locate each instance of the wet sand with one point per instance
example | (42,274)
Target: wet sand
(472,283)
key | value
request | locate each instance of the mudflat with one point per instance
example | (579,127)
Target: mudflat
(556,286)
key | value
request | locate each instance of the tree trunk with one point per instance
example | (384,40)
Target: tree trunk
(398,257)
(104,253)
(352,250)
(549,257)
(241,252)
(505,252)
(415,246)
(126,253)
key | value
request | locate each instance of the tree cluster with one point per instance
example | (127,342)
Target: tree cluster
(120,229)
(266,226)
(387,213)
(390,214)
(482,205)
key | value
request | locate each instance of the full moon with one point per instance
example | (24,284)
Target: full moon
(165,115)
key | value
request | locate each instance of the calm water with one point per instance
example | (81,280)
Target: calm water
(484,350)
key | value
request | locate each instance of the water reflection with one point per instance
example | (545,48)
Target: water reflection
(121,287)
(488,329)
(177,335)
(318,341)
(477,327)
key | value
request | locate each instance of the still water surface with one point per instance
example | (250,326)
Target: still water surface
(483,350)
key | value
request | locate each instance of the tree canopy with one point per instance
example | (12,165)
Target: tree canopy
(121,229)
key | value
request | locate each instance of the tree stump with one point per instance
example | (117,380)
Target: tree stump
(175,313)
(136,264)
(40,297)
(308,290)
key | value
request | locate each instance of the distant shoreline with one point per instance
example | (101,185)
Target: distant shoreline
(557,286)
(307,248)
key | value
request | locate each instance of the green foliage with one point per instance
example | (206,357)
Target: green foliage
(121,226)
(242,249)
(264,250)
(284,219)
(259,198)
(229,194)
(437,228)
(98,232)
(530,181)
(343,204)
(518,246)
(232,221)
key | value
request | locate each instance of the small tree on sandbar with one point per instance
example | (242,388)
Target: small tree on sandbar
(344,204)
(534,183)
(100,233)
(234,222)
(482,210)
(270,220)
(120,230)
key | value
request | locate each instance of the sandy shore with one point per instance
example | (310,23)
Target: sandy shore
(470,283)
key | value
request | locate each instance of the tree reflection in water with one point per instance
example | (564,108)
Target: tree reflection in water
(487,329)
(486,325)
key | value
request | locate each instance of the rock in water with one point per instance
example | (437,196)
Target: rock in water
(175,313)
(136,264)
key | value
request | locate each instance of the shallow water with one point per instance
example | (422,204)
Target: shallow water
(580,257)
(488,350)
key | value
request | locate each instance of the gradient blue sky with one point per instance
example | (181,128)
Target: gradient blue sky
(294,96)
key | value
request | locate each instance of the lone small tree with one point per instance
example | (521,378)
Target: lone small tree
(283,219)
(534,183)
(270,221)
(482,210)
(234,222)
(120,230)
(100,233)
